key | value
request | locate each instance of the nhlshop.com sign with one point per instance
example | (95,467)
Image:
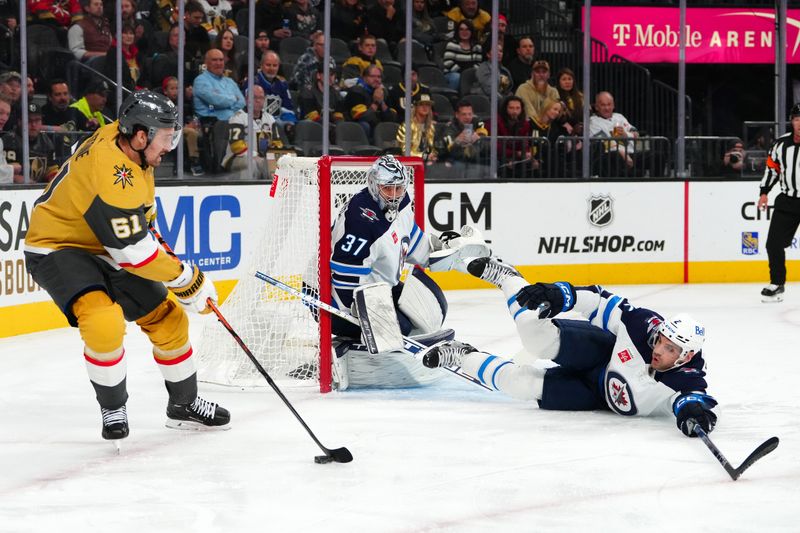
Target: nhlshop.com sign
(713,35)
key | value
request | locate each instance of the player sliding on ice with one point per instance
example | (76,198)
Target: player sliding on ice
(372,238)
(627,359)
(89,246)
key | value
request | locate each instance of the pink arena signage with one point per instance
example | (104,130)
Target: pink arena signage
(713,35)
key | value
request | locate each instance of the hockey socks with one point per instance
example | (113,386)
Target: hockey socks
(523,382)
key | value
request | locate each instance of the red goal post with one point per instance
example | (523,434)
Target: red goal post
(292,342)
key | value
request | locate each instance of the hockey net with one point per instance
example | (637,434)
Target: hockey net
(291,341)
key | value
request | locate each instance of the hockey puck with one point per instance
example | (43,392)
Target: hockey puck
(322,459)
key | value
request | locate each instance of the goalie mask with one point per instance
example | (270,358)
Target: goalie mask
(685,332)
(387,182)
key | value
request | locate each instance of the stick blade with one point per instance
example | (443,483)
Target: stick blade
(765,448)
(341,455)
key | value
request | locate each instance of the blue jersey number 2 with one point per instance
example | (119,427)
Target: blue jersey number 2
(350,240)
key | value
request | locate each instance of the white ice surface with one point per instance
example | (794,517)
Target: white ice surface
(446,458)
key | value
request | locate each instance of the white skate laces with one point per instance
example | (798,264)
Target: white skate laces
(204,408)
(447,353)
(491,269)
(114,416)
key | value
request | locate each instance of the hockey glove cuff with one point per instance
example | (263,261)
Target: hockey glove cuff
(694,409)
(558,297)
(193,290)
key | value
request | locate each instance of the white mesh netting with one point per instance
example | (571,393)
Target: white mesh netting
(278,328)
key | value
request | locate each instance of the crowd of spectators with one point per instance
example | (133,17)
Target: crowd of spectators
(540,114)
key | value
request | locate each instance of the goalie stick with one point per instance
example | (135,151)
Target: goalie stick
(766,447)
(339,455)
(410,346)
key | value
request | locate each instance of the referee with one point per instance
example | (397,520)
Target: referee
(783,164)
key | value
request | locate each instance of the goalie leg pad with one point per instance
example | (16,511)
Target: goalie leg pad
(389,370)
(375,309)
(423,302)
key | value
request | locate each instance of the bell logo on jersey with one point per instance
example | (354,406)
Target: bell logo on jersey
(369,214)
(624,356)
(618,395)
(124,175)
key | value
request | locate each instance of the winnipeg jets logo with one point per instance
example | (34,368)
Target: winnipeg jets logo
(124,175)
(369,214)
(618,395)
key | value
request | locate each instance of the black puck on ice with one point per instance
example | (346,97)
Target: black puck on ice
(322,459)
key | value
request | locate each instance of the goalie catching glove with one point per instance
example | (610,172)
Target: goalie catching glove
(453,249)
(193,290)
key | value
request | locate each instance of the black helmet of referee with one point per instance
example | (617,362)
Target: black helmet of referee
(795,112)
(149,111)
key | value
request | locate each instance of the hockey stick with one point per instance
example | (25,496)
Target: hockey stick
(339,455)
(766,447)
(410,346)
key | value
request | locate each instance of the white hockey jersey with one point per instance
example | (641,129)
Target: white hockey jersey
(631,386)
(368,248)
(237,135)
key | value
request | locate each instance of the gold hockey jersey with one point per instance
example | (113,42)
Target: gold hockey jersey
(102,202)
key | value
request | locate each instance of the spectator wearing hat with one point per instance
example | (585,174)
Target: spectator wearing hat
(536,90)
(484,75)
(469,10)
(423,130)
(90,36)
(521,64)
(504,38)
(261,46)
(41,149)
(311,98)
(396,98)
(92,104)
(11,90)
(6,171)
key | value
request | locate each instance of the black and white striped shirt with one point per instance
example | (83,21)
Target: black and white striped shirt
(783,164)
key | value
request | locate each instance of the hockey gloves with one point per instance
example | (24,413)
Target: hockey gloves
(192,290)
(549,298)
(695,409)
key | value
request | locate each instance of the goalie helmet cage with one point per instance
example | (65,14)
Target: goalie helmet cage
(291,341)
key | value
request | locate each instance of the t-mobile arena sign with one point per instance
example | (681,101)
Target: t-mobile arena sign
(713,35)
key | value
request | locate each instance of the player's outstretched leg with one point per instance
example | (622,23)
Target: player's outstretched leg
(199,414)
(523,382)
(772,293)
(115,423)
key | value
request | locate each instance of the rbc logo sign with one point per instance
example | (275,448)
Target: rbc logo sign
(195,224)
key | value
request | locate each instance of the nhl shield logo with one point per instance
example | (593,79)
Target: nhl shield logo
(600,212)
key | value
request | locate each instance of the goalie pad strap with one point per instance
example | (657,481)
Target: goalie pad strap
(423,302)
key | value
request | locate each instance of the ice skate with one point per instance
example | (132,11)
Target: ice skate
(772,293)
(447,353)
(200,414)
(491,269)
(115,425)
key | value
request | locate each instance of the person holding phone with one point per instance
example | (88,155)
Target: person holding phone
(462,144)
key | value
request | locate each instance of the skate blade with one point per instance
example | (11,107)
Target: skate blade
(117,445)
(190,425)
(772,299)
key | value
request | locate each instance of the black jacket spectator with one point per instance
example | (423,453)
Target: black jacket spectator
(348,21)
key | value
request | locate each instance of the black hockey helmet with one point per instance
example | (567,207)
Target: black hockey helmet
(151,111)
(795,112)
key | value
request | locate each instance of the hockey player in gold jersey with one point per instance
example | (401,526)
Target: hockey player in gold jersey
(89,246)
